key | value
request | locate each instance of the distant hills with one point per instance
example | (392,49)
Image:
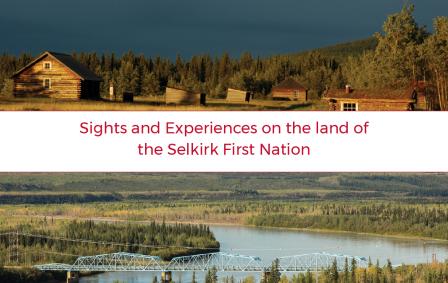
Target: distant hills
(349,48)
(341,51)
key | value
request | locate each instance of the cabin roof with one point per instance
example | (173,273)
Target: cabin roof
(289,84)
(373,94)
(77,68)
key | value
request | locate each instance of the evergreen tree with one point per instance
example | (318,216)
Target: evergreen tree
(246,61)
(224,67)
(275,274)
(333,272)
(346,271)
(212,276)
(127,78)
(150,84)
(353,271)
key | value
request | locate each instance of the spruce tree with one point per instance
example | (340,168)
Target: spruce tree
(334,274)
(346,271)
(353,271)
(275,274)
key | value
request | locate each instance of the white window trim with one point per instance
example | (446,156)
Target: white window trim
(48,62)
(347,102)
(49,83)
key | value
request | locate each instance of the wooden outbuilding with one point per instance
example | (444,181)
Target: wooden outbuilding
(349,99)
(238,96)
(128,97)
(181,96)
(56,75)
(290,89)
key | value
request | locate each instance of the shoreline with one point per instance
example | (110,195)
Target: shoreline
(310,230)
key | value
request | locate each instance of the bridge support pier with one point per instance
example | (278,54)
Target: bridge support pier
(72,277)
(166,277)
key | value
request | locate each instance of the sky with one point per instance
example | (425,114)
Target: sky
(188,27)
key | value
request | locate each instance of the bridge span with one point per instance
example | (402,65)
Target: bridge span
(122,261)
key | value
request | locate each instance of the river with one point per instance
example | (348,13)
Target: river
(271,243)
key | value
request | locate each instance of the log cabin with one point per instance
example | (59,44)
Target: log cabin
(290,89)
(56,75)
(238,96)
(181,96)
(350,99)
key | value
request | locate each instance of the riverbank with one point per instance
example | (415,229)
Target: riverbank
(314,230)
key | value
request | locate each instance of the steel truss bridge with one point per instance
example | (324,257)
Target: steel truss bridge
(221,261)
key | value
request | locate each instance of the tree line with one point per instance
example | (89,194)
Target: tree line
(65,241)
(402,53)
(383,218)
(351,273)
(145,76)
(428,273)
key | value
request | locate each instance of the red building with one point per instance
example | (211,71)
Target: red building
(290,89)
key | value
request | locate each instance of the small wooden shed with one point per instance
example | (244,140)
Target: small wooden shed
(56,75)
(290,89)
(181,96)
(238,96)
(372,100)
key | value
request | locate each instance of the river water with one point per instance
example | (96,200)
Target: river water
(271,243)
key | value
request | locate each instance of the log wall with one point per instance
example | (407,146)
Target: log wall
(295,95)
(235,95)
(179,96)
(375,105)
(64,83)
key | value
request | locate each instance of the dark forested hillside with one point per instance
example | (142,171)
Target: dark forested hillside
(340,52)
(78,188)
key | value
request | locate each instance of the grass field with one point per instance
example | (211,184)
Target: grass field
(149,104)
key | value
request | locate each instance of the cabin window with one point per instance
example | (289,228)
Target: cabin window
(349,106)
(47,84)
(47,65)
